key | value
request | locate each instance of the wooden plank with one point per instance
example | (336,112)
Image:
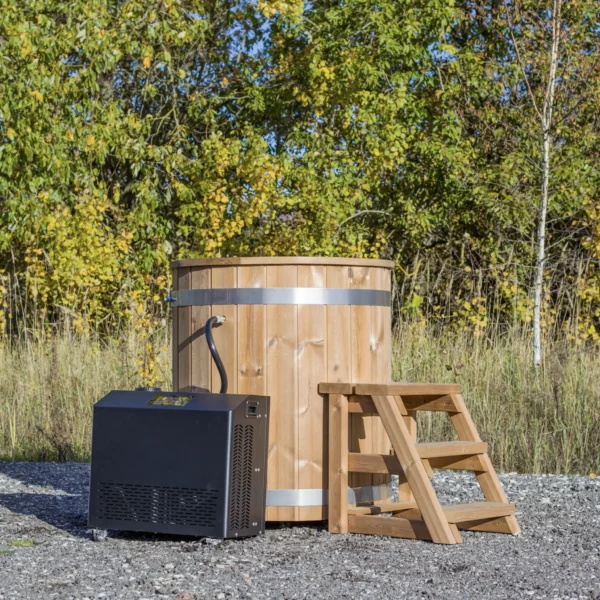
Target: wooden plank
(183,347)
(404,492)
(378,509)
(428,468)
(283,260)
(361,405)
(439,449)
(383,463)
(282,383)
(364,404)
(388,283)
(201,359)
(339,357)
(475,511)
(410,423)
(362,432)
(461,419)
(455,533)
(429,403)
(476,514)
(175,335)
(407,389)
(374,463)
(413,468)
(426,403)
(312,368)
(379,363)
(392,527)
(252,348)
(465,463)
(252,335)
(225,336)
(335,388)
(338,464)
(501,525)
(488,480)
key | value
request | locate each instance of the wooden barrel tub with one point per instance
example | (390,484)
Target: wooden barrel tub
(282,339)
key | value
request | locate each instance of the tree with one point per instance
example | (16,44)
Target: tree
(131,134)
(545,118)
(567,61)
(523,84)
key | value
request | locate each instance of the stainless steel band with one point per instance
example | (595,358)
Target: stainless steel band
(281,296)
(318,497)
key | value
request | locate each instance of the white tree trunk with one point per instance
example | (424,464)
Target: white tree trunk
(546,122)
(541,253)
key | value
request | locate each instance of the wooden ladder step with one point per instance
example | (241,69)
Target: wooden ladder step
(477,511)
(407,389)
(463,513)
(389,464)
(432,402)
(442,449)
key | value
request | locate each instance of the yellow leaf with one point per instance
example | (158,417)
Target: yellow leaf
(11,133)
(90,140)
(37,95)
(147,62)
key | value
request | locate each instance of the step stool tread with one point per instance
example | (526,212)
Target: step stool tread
(407,389)
(441,449)
(475,511)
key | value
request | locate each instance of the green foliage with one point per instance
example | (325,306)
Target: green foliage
(134,133)
(496,86)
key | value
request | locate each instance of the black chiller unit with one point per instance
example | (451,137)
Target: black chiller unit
(179,463)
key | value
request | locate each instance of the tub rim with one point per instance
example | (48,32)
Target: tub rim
(283,260)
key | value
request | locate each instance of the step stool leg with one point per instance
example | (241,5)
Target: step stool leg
(338,464)
(488,479)
(404,492)
(411,464)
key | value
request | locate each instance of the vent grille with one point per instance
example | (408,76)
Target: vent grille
(241,480)
(155,504)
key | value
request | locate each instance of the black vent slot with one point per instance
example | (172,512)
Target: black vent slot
(241,480)
(155,504)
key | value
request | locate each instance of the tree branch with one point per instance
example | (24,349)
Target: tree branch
(520,62)
(360,213)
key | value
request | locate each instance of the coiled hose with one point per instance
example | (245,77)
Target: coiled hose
(213,350)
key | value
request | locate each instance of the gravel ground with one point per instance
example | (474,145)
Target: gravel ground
(46,551)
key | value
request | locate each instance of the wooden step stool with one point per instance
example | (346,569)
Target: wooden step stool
(418,514)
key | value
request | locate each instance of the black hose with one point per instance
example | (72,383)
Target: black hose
(213,350)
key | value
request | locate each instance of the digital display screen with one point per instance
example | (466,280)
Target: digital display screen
(163,400)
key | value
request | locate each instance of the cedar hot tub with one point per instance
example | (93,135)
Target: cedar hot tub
(291,323)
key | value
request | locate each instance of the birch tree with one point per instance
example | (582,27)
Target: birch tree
(545,119)
(554,59)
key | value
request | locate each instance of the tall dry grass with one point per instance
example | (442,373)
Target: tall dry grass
(535,421)
(48,386)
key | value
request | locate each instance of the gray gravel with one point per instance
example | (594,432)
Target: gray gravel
(46,551)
